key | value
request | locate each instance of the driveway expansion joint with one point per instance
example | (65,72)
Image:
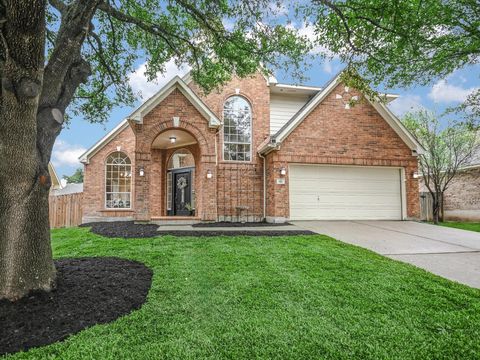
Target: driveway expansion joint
(420,236)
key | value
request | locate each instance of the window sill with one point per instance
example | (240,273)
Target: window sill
(116,210)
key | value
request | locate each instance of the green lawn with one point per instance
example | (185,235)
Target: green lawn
(472,226)
(302,297)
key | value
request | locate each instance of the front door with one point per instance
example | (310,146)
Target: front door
(182,192)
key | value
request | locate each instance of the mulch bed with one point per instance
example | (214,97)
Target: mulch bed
(89,291)
(123,229)
(236,233)
(128,229)
(238,224)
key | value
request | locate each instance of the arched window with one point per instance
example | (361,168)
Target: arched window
(181,158)
(118,181)
(237,129)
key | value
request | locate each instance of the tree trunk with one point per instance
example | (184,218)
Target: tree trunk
(436,208)
(25,252)
(442,208)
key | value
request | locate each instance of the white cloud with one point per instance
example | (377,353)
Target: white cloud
(444,92)
(277,8)
(308,31)
(405,104)
(140,84)
(65,154)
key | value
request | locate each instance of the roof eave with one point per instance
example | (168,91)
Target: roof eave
(85,157)
(176,83)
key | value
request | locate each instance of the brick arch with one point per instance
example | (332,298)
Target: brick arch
(206,147)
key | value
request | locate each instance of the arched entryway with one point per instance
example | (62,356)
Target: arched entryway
(180,183)
(175,162)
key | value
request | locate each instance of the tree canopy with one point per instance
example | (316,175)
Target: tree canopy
(75,178)
(447,149)
(401,43)
(215,38)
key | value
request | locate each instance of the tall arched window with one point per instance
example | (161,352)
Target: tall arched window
(118,181)
(237,129)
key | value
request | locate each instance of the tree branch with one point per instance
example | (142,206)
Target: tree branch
(59,5)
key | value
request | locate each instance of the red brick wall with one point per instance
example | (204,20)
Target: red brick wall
(462,198)
(240,184)
(94,179)
(150,190)
(158,188)
(329,135)
(332,134)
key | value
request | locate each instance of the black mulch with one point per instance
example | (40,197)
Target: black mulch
(238,224)
(123,229)
(89,291)
(236,233)
(128,229)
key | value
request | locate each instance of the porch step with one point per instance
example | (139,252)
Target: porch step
(175,220)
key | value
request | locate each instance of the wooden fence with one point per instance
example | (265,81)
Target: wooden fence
(65,210)
(426,207)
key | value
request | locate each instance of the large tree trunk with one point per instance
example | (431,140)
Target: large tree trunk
(25,252)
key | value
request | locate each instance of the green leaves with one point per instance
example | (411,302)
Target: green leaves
(400,43)
(217,39)
(447,148)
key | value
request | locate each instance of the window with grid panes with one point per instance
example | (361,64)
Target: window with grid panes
(237,129)
(118,181)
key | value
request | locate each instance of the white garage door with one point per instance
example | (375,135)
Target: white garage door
(344,193)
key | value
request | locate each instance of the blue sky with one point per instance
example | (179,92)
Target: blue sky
(80,134)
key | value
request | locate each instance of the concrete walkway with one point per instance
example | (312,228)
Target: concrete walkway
(451,253)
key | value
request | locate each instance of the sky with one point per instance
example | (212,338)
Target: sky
(80,135)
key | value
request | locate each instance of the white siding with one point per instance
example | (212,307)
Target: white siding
(283,107)
(345,193)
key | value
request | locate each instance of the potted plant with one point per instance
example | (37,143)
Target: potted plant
(190,209)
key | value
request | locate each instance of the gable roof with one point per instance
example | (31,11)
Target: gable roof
(56,183)
(175,83)
(84,158)
(387,115)
(137,116)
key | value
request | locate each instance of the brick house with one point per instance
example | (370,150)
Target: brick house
(462,198)
(254,150)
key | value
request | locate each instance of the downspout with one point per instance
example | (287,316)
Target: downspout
(264,186)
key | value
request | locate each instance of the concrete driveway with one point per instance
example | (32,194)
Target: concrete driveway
(451,253)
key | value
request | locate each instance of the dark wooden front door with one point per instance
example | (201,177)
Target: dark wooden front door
(182,192)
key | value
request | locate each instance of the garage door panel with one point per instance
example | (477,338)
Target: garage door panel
(344,193)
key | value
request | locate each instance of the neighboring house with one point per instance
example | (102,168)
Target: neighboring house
(56,183)
(254,150)
(68,189)
(462,198)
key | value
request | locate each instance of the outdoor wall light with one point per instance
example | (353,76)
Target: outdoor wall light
(209,174)
(415,175)
(142,172)
(283,171)
(173,139)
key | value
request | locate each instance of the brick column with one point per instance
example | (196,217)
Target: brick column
(142,160)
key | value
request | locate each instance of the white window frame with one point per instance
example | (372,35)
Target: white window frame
(117,192)
(238,143)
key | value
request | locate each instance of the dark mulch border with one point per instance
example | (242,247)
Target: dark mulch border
(89,291)
(128,229)
(123,229)
(238,224)
(236,233)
